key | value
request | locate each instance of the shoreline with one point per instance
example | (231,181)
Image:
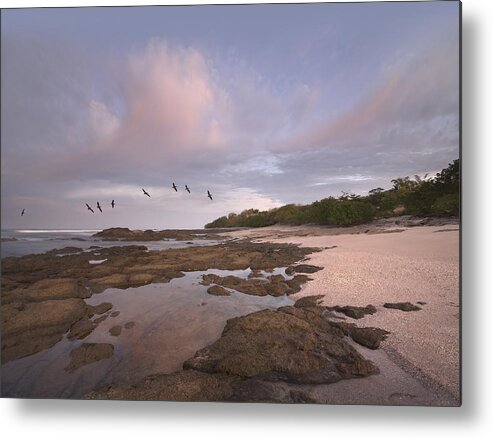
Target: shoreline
(362,269)
(387,357)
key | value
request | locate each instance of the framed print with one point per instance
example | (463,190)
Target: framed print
(239,203)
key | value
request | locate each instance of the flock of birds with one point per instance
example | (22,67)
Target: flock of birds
(98,205)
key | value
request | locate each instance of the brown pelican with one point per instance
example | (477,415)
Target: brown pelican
(89,208)
(187,189)
(174,186)
(145,193)
(99,207)
(113,203)
(209,195)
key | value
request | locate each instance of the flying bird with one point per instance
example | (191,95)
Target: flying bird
(145,193)
(23,210)
(113,203)
(187,189)
(89,208)
(174,186)
(99,207)
(209,195)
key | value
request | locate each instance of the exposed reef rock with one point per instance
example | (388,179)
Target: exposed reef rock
(355,312)
(43,294)
(88,353)
(254,356)
(126,234)
(32,327)
(218,291)
(405,307)
(302,269)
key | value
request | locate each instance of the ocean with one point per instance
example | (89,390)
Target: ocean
(22,242)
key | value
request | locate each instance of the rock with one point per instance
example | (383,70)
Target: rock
(354,312)
(99,309)
(303,269)
(250,287)
(129,325)
(88,353)
(47,289)
(81,329)
(39,278)
(309,301)
(66,250)
(405,307)
(100,319)
(38,326)
(256,273)
(291,344)
(115,330)
(180,386)
(369,337)
(296,283)
(218,290)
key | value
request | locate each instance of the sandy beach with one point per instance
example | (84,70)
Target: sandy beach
(418,264)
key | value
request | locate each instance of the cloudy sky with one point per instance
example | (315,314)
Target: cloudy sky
(262,105)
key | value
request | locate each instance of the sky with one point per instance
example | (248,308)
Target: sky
(263,105)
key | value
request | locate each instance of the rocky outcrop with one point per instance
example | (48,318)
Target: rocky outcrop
(256,356)
(88,353)
(218,291)
(354,312)
(43,294)
(32,327)
(115,330)
(369,337)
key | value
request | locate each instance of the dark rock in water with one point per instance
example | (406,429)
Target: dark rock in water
(114,314)
(296,282)
(309,301)
(100,319)
(291,344)
(369,337)
(405,307)
(355,312)
(422,303)
(66,250)
(129,325)
(219,291)
(258,287)
(81,329)
(256,273)
(88,353)
(302,269)
(99,309)
(115,330)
